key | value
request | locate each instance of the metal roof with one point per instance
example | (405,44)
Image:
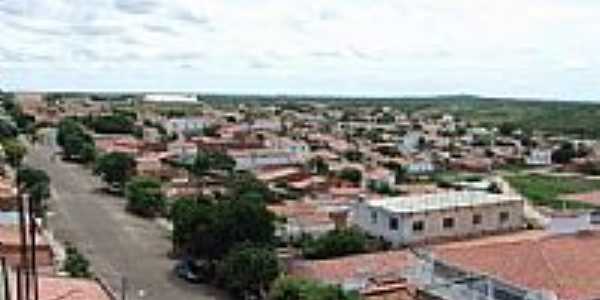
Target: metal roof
(442,201)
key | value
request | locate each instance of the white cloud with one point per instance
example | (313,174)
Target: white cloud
(336,46)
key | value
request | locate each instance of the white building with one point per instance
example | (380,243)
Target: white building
(412,219)
(181,125)
(420,167)
(539,157)
(172,98)
(409,143)
(258,158)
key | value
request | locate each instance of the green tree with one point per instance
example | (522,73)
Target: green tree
(115,168)
(113,124)
(14,150)
(564,154)
(207,161)
(335,243)
(290,288)
(187,216)
(319,165)
(76,265)
(36,183)
(507,128)
(233,223)
(76,143)
(245,186)
(144,197)
(351,174)
(248,272)
(7,129)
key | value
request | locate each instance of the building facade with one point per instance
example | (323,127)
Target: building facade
(450,215)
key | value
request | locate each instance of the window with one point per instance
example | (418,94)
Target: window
(373,217)
(393,223)
(504,216)
(448,223)
(476,219)
(418,226)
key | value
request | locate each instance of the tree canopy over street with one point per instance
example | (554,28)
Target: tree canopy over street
(77,144)
(115,168)
(144,197)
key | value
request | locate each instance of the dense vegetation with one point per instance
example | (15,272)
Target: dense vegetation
(547,190)
(76,143)
(144,197)
(36,183)
(115,168)
(289,288)
(335,244)
(76,265)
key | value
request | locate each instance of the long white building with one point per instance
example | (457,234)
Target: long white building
(412,219)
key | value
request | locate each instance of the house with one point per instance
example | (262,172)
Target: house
(151,164)
(354,272)
(182,148)
(251,159)
(378,177)
(65,288)
(182,125)
(565,266)
(409,143)
(302,218)
(431,217)
(8,194)
(289,145)
(539,157)
(420,166)
(121,144)
(11,245)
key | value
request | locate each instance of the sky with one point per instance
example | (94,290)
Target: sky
(517,48)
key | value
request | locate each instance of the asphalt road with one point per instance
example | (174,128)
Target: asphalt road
(117,244)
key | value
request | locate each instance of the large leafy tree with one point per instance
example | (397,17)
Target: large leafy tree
(207,161)
(144,197)
(245,186)
(351,174)
(564,154)
(36,183)
(76,143)
(289,288)
(335,243)
(7,129)
(14,150)
(233,223)
(187,216)
(115,168)
(113,124)
(248,272)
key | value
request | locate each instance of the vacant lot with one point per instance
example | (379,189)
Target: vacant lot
(550,191)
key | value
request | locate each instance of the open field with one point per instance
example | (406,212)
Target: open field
(549,191)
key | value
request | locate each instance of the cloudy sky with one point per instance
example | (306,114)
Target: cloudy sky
(534,48)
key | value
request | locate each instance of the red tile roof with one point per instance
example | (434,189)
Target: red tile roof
(354,267)
(568,265)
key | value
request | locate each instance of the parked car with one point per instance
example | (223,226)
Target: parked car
(188,270)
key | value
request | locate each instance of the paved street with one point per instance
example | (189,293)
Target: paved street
(118,244)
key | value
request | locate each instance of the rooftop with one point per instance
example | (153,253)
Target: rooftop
(442,201)
(568,265)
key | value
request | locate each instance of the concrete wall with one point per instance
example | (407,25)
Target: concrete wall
(433,220)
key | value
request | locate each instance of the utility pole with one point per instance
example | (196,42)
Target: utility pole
(32,236)
(124,288)
(6,282)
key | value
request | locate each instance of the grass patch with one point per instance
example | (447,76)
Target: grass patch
(547,190)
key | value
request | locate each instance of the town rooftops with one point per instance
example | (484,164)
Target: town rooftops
(567,265)
(355,268)
(442,201)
